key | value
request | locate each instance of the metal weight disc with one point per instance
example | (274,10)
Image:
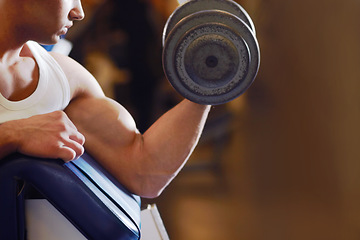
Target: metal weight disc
(211,57)
(194,6)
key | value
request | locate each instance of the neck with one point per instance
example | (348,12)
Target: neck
(12,40)
(11,44)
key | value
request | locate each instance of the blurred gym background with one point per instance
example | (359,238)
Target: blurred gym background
(279,163)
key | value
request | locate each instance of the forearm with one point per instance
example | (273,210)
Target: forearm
(171,140)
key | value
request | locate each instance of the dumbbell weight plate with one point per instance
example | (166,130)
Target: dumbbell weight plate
(194,6)
(211,57)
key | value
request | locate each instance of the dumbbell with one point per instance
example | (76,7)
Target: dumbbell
(210,51)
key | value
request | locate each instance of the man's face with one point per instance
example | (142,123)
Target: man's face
(49,19)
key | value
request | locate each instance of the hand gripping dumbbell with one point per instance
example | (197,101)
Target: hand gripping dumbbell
(210,51)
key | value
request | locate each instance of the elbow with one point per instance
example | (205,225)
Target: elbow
(149,190)
(150,193)
(150,186)
(146,192)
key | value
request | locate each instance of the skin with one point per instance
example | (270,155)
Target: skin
(144,163)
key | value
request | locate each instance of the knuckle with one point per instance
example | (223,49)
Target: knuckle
(78,147)
(80,138)
(62,127)
(58,114)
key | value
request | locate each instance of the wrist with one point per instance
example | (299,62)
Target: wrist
(198,106)
(8,140)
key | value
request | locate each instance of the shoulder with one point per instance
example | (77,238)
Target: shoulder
(81,81)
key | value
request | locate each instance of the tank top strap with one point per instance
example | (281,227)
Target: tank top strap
(52,92)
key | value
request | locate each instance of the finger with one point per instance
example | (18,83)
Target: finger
(77,137)
(75,134)
(68,122)
(76,147)
(66,154)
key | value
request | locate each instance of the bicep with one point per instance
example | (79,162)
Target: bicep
(105,124)
(111,136)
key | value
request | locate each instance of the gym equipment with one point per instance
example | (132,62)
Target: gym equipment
(210,51)
(87,195)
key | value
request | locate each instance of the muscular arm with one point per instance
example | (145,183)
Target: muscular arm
(146,163)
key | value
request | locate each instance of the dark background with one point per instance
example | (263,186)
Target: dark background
(281,161)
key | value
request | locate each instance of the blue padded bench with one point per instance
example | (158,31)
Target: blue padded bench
(87,195)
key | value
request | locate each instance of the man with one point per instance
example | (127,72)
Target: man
(50,106)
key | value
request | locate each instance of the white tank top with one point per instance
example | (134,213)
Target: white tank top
(52,92)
